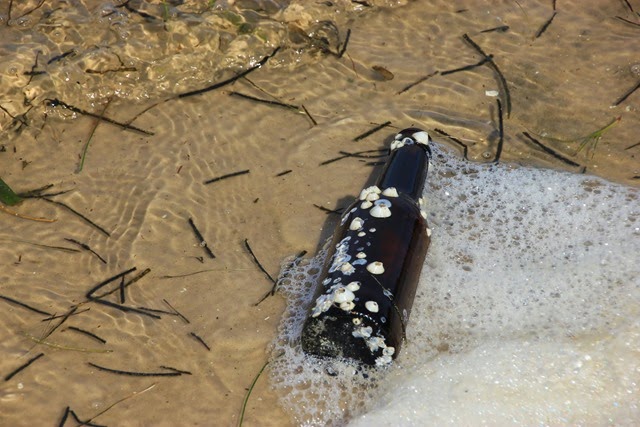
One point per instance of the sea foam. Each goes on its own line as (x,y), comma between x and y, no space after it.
(527,312)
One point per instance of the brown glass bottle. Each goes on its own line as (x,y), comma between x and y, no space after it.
(369,281)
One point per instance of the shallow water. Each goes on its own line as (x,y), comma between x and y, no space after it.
(142,189)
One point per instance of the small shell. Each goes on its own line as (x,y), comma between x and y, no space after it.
(362,332)
(357,321)
(343,295)
(372,197)
(388,351)
(356,223)
(421,137)
(423,213)
(347,306)
(375,267)
(369,190)
(372,306)
(390,192)
(353,286)
(383,361)
(361,255)
(366,204)
(381,209)
(428,232)
(362,234)
(347,268)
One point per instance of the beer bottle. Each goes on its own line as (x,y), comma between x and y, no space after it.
(369,280)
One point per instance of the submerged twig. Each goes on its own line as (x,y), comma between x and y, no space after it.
(464,146)
(93,130)
(626,95)
(255,260)
(420,80)
(66,347)
(21,368)
(201,241)
(30,218)
(371,131)
(87,333)
(176,312)
(173,373)
(229,175)
(550,151)
(544,26)
(232,79)
(75,212)
(500,133)
(501,80)
(55,102)
(21,304)
(200,340)
(86,247)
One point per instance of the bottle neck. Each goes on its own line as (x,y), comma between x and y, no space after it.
(406,170)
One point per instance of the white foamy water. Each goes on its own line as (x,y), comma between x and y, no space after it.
(527,311)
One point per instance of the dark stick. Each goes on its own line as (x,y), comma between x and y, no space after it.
(467,67)
(229,175)
(255,260)
(465,149)
(137,374)
(344,45)
(329,211)
(61,56)
(363,155)
(62,320)
(265,101)
(176,312)
(87,333)
(284,172)
(273,289)
(626,95)
(201,241)
(501,29)
(420,80)
(75,313)
(84,218)
(83,423)
(176,370)
(554,4)
(544,26)
(232,79)
(309,115)
(200,340)
(64,417)
(125,308)
(56,102)
(86,247)
(550,151)
(620,18)
(335,159)
(626,2)
(100,285)
(500,131)
(371,131)
(16,371)
(21,304)
(494,67)
(632,146)
(121,288)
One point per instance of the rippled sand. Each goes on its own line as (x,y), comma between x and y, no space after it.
(142,189)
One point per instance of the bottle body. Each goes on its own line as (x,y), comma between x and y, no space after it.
(370,278)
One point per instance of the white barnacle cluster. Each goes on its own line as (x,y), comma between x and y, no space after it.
(341,258)
(342,296)
(381,209)
(369,195)
(374,343)
(400,140)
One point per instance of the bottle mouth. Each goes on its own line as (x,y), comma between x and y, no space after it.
(406,170)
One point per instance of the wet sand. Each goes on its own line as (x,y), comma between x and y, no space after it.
(142,189)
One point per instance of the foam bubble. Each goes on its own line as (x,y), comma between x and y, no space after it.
(527,310)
